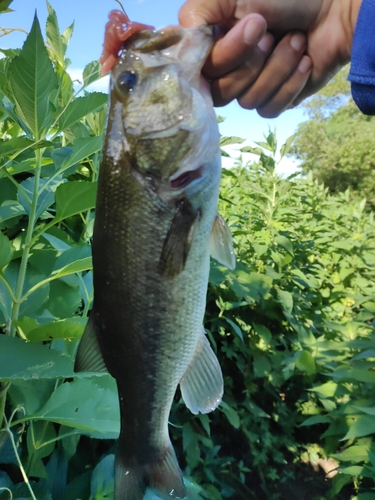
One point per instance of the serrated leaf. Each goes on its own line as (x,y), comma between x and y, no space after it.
(82,149)
(32,80)
(55,43)
(91,73)
(285,148)
(80,107)
(46,195)
(13,145)
(225,141)
(84,405)
(11,209)
(74,197)
(33,361)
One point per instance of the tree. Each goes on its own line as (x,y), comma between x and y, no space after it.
(337,143)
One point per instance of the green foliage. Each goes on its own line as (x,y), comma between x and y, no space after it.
(292,324)
(337,143)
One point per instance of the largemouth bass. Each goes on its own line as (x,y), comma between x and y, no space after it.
(156,225)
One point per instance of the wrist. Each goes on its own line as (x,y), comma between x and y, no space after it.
(349,20)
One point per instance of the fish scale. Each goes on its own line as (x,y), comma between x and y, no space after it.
(155,227)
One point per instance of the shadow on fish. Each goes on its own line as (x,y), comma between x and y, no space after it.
(155,228)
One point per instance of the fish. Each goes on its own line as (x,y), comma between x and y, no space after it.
(156,225)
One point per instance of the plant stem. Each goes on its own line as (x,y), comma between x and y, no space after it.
(24,475)
(27,246)
(22,272)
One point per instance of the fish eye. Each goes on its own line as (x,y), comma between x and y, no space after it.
(127,81)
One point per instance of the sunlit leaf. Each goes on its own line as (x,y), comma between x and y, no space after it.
(80,107)
(74,197)
(84,405)
(32,80)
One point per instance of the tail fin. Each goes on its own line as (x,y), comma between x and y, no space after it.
(162,475)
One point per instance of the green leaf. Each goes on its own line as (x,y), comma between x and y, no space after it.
(231,414)
(286,301)
(67,329)
(91,73)
(76,267)
(86,406)
(306,363)
(33,361)
(286,146)
(363,426)
(82,149)
(226,141)
(46,195)
(13,145)
(80,107)
(6,251)
(32,80)
(357,453)
(237,330)
(328,390)
(54,40)
(73,198)
(285,243)
(316,419)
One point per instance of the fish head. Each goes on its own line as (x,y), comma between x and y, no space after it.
(160,103)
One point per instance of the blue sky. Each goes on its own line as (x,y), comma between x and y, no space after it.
(89,18)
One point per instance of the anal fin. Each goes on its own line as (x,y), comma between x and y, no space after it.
(202,385)
(89,357)
(220,246)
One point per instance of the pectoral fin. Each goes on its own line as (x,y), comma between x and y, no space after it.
(220,245)
(89,358)
(202,385)
(178,241)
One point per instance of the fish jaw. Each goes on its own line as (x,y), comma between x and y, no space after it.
(167,115)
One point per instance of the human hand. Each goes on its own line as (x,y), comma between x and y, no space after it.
(273,71)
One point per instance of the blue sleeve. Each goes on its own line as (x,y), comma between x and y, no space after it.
(362,69)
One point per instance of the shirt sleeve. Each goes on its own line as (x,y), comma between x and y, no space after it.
(362,69)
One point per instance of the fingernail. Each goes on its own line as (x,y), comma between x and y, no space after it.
(253,30)
(266,42)
(305,65)
(298,41)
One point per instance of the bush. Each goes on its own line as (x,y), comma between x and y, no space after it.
(292,325)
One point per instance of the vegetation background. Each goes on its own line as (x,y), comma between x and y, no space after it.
(293,325)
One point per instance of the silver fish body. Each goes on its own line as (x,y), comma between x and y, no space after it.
(156,224)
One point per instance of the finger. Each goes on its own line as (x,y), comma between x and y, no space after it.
(234,47)
(231,85)
(281,64)
(285,97)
